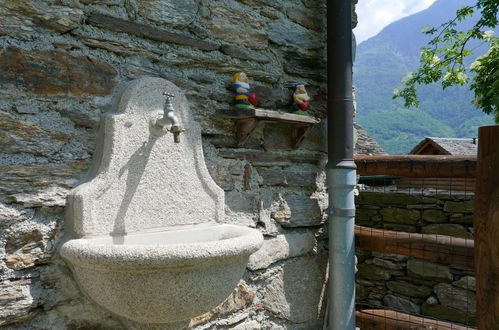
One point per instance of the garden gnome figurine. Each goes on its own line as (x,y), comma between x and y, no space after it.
(300,99)
(244,98)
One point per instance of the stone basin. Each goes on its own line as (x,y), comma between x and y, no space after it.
(162,276)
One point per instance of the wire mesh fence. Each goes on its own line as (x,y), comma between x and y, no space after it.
(415,252)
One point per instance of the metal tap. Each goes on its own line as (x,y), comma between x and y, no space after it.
(170,118)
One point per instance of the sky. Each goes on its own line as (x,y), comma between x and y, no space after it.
(374,15)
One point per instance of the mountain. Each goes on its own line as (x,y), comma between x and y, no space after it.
(383,60)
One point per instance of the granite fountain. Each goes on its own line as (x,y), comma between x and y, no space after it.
(147,239)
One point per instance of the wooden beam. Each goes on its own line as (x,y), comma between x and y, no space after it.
(269,115)
(248,119)
(148,32)
(418,166)
(436,248)
(486,227)
(387,319)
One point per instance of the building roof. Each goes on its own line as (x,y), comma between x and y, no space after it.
(365,144)
(448,146)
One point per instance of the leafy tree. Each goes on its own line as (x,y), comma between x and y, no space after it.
(443,58)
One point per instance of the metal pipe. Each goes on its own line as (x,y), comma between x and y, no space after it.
(341,174)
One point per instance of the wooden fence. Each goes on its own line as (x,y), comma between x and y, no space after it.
(434,248)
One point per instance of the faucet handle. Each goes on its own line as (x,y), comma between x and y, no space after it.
(168,95)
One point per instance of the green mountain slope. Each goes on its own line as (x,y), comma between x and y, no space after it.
(381,63)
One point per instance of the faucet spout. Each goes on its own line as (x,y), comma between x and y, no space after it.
(170,118)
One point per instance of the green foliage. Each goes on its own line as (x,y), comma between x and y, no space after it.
(486,80)
(380,63)
(443,58)
(469,128)
(401,130)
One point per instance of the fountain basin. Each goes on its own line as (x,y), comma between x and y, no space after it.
(162,276)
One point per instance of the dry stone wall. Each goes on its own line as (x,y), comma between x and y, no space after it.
(415,286)
(61,64)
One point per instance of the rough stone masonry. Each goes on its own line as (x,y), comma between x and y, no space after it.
(62,62)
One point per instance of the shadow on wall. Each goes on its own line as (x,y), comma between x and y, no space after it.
(140,157)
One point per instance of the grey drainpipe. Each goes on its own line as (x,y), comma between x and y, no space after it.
(341,174)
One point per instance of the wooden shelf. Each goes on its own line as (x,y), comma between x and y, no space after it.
(247,120)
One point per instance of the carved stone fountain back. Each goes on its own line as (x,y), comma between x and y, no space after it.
(141,179)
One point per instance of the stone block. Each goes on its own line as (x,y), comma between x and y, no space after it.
(362,255)
(241,208)
(387,264)
(455,297)
(17,302)
(248,325)
(271,98)
(401,304)
(428,270)
(288,177)
(172,12)
(281,247)
(289,34)
(225,24)
(449,229)
(416,281)
(373,272)
(399,227)
(277,137)
(464,219)
(448,313)
(221,176)
(305,64)
(55,72)
(390,256)
(309,18)
(423,206)
(435,216)
(29,15)
(85,117)
(400,216)
(466,282)
(298,211)
(239,299)
(11,214)
(295,291)
(365,212)
(117,47)
(272,14)
(250,55)
(361,292)
(35,185)
(459,207)
(19,136)
(149,32)
(394,199)
(316,139)
(408,289)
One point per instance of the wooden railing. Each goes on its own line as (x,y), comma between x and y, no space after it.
(418,166)
(387,319)
(435,248)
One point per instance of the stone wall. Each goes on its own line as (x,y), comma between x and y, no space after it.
(61,64)
(412,285)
